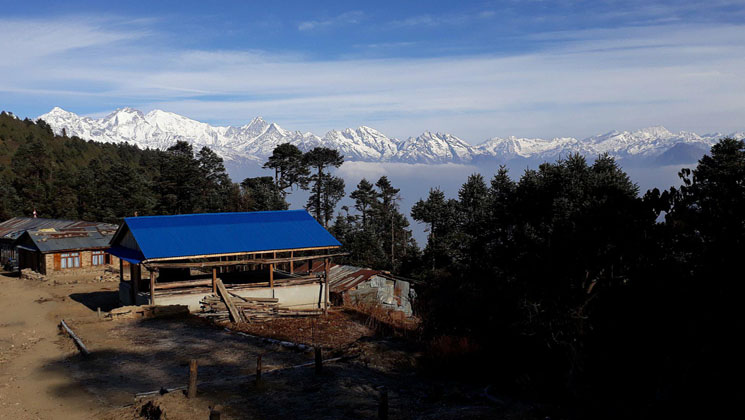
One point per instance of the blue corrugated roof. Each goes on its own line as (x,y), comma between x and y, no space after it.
(129,255)
(225,233)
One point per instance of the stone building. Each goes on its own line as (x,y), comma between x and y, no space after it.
(12,229)
(74,250)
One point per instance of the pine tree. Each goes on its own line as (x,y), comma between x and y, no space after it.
(289,168)
(216,184)
(327,190)
(261,194)
(365,198)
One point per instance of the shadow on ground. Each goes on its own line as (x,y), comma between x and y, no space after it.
(132,357)
(105,300)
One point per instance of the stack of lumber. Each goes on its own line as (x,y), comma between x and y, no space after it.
(148,311)
(254,309)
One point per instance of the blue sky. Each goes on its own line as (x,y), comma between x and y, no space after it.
(475,69)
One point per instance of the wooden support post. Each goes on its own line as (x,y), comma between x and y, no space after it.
(214,280)
(192,389)
(152,287)
(319,360)
(292,263)
(99,312)
(134,281)
(258,369)
(271,275)
(327,269)
(383,404)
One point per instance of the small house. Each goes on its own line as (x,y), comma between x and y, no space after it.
(12,229)
(68,250)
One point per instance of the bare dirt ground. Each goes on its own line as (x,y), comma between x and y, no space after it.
(42,376)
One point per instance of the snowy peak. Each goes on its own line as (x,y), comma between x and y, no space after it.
(435,148)
(256,140)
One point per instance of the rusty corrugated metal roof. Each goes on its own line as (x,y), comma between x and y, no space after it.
(345,277)
(13,228)
(90,237)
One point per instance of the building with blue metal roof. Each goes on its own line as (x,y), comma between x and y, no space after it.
(224,243)
(157,238)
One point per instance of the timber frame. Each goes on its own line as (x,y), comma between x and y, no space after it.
(276,261)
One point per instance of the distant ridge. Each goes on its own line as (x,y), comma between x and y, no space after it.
(256,140)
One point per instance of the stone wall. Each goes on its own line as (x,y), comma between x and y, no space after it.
(86,266)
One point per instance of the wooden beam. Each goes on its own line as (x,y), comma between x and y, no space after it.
(204,264)
(185,283)
(292,262)
(232,254)
(214,280)
(235,315)
(78,342)
(304,258)
(152,287)
(271,276)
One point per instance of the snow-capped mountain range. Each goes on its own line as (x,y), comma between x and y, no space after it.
(256,140)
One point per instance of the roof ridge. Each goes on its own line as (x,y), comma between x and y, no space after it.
(212,214)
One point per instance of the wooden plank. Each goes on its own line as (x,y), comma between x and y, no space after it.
(235,315)
(292,262)
(250,299)
(179,284)
(78,342)
(271,276)
(238,296)
(214,280)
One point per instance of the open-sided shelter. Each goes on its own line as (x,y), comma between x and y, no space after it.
(253,253)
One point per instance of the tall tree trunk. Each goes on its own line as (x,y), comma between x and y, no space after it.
(318,194)
(392,246)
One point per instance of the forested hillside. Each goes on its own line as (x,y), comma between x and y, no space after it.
(569,287)
(68,177)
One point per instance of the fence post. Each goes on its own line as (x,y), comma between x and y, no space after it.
(258,369)
(192,390)
(383,404)
(319,360)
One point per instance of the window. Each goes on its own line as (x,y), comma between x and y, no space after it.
(70,260)
(99,258)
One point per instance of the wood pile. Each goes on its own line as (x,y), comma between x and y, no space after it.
(254,309)
(148,311)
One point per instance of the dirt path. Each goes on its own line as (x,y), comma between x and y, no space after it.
(29,342)
(42,376)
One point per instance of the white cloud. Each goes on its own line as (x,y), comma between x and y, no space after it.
(684,77)
(444,19)
(347,18)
